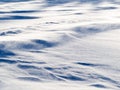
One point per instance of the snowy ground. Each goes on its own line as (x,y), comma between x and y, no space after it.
(59,45)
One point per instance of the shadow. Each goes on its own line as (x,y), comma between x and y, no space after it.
(17,17)
(60,73)
(72,78)
(10,33)
(45,43)
(58,2)
(19,11)
(20,62)
(104,79)
(28,46)
(78,13)
(34,46)
(29,79)
(99,86)
(94,29)
(24,11)
(27,67)
(89,64)
(9,1)
(6,53)
(8,61)
(28,62)
(56,69)
(105,8)
(2,46)
(109,80)
(38,72)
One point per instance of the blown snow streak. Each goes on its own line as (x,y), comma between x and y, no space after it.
(54,44)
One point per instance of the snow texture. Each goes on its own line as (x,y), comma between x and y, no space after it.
(59,44)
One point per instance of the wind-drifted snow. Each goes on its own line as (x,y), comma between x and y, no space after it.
(59,44)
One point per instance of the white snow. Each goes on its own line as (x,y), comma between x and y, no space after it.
(63,45)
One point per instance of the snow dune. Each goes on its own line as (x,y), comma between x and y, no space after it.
(59,44)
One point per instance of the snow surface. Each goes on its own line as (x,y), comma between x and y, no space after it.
(59,44)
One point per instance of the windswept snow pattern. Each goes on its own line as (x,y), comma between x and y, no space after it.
(59,45)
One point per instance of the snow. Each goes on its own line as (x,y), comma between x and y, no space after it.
(54,44)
